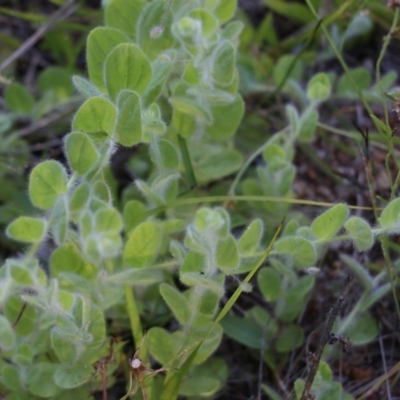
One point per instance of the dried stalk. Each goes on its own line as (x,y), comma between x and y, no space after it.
(315,358)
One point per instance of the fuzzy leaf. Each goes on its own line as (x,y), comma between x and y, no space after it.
(208,22)
(269,282)
(127,67)
(81,152)
(100,42)
(177,303)
(67,258)
(40,380)
(96,115)
(7,334)
(152,37)
(47,182)
(319,87)
(128,130)
(227,255)
(243,331)
(60,221)
(249,241)
(328,224)
(390,214)
(123,15)
(300,250)
(18,99)
(79,198)
(223,63)
(85,87)
(360,233)
(307,124)
(27,229)
(143,245)
(225,10)
(108,219)
(226,118)
(67,377)
(161,67)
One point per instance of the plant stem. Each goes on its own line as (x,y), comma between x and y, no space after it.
(316,357)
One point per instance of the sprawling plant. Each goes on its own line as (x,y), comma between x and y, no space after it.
(163,77)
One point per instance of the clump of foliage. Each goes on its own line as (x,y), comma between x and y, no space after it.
(168,80)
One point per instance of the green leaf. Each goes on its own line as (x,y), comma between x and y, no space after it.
(153,30)
(11,377)
(290,337)
(225,10)
(199,386)
(96,115)
(223,63)
(273,151)
(40,380)
(300,250)
(136,277)
(226,255)
(250,239)
(165,155)
(127,67)
(60,221)
(361,330)
(81,152)
(27,229)
(79,198)
(307,124)
(24,355)
(208,22)
(291,10)
(243,331)
(162,345)
(108,219)
(128,130)
(177,303)
(217,165)
(360,232)
(383,128)
(282,67)
(58,81)
(226,118)
(18,99)
(85,87)
(361,78)
(328,224)
(360,26)
(27,323)
(67,377)
(161,67)
(47,182)
(390,214)
(360,270)
(7,334)
(100,42)
(319,87)
(65,349)
(67,258)
(133,214)
(123,15)
(143,245)
(269,282)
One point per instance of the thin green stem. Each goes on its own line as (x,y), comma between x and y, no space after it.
(134,318)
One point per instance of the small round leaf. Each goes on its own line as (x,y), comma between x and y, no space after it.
(27,229)
(47,182)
